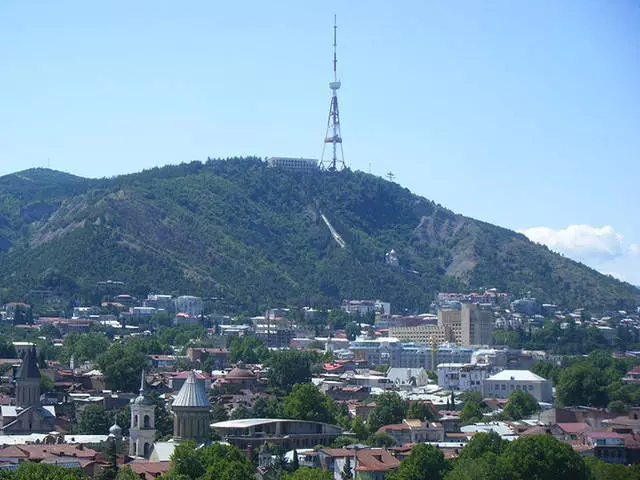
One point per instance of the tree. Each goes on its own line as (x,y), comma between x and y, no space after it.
(240,412)
(389,409)
(352,330)
(306,402)
(472,412)
(247,349)
(306,473)
(121,366)
(42,471)
(346,473)
(420,411)
(543,457)
(581,384)
(426,462)
(380,439)
(185,460)
(93,421)
(125,473)
(359,428)
(487,467)
(219,413)
(600,470)
(110,472)
(289,367)
(521,404)
(263,408)
(482,443)
(84,346)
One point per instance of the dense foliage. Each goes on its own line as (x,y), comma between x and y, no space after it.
(594,380)
(252,235)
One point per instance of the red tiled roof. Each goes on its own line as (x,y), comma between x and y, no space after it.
(574,427)
(376,460)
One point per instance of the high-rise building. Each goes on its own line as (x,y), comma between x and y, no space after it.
(476,324)
(471,325)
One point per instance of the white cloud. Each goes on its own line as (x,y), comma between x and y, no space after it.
(580,239)
(599,247)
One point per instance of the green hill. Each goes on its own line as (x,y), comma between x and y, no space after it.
(255,236)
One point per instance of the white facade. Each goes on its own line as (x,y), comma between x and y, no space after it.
(188,304)
(462,376)
(506,382)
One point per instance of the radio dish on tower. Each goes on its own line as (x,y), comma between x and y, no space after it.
(333,135)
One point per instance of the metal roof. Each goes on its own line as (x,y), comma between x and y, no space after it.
(191,394)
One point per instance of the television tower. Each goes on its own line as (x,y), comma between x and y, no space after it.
(336,162)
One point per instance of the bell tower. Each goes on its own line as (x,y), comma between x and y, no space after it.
(142,431)
(28,381)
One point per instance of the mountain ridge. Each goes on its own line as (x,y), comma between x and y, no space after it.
(254,235)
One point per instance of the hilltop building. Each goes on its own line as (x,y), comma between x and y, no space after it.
(294,164)
(28,415)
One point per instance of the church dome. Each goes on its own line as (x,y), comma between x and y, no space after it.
(238,373)
(142,400)
(115,430)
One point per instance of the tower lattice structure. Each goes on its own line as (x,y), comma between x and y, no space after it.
(333,135)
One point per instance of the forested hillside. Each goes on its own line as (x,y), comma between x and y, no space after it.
(255,236)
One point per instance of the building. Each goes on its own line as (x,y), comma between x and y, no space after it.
(191,411)
(142,431)
(366,463)
(159,302)
(462,376)
(502,384)
(411,377)
(414,431)
(472,324)
(476,324)
(276,335)
(28,415)
(294,164)
(394,353)
(192,306)
(254,432)
(365,307)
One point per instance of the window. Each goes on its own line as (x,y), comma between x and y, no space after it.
(531,388)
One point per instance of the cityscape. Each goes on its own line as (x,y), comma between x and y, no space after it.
(455,297)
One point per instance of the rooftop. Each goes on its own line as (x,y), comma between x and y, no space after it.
(191,394)
(517,375)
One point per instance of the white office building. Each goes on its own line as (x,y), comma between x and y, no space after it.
(462,376)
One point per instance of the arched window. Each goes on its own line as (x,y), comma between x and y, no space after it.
(135,421)
(147,421)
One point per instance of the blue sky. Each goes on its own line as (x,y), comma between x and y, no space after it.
(524,114)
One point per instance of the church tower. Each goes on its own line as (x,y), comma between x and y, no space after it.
(28,381)
(142,432)
(191,411)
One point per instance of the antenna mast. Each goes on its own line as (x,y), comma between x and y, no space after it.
(333,135)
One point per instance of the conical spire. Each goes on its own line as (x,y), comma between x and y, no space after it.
(142,383)
(192,394)
(29,368)
(142,398)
